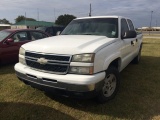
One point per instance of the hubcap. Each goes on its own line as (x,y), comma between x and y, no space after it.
(109,85)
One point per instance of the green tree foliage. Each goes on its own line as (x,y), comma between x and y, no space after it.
(4,21)
(21,17)
(64,19)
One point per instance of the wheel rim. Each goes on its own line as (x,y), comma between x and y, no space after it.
(109,85)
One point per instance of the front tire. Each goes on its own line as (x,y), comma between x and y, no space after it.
(110,85)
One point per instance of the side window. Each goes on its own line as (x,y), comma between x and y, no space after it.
(20,36)
(124,27)
(54,31)
(37,35)
(50,30)
(130,24)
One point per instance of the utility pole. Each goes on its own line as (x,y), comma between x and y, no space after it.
(37,14)
(54,15)
(150,22)
(25,19)
(151,18)
(90,14)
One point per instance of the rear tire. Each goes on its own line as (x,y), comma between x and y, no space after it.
(110,86)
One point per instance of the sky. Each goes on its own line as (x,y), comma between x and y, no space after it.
(139,11)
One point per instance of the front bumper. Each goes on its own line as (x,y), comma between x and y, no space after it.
(67,85)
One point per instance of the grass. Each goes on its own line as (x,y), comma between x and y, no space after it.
(151,34)
(137,99)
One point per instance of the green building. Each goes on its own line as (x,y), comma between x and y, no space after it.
(24,24)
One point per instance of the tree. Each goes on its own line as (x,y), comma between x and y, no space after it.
(4,21)
(21,17)
(64,19)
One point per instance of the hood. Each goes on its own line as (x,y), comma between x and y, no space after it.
(69,44)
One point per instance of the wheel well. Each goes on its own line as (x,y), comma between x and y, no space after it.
(115,63)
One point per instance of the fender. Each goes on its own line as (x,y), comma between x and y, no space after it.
(110,59)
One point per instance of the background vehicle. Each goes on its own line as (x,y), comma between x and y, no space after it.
(11,40)
(85,60)
(51,30)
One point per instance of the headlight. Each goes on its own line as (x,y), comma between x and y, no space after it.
(22,51)
(83,58)
(22,60)
(81,70)
(22,56)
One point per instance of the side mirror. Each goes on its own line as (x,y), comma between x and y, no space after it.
(10,40)
(129,34)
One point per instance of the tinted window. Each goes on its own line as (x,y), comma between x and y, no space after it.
(130,24)
(4,34)
(124,27)
(41,28)
(97,26)
(37,35)
(20,36)
(50,31)
(53,30)
(60,28)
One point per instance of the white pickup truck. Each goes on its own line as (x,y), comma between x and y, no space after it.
(84,60)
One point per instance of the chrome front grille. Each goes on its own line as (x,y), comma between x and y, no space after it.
(52,63)
(48,57)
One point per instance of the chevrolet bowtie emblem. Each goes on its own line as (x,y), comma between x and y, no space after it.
(42,61)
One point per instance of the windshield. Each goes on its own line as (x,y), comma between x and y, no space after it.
(41,28)
(4,34)
(96,26)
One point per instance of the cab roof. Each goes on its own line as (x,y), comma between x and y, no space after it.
(101,17)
